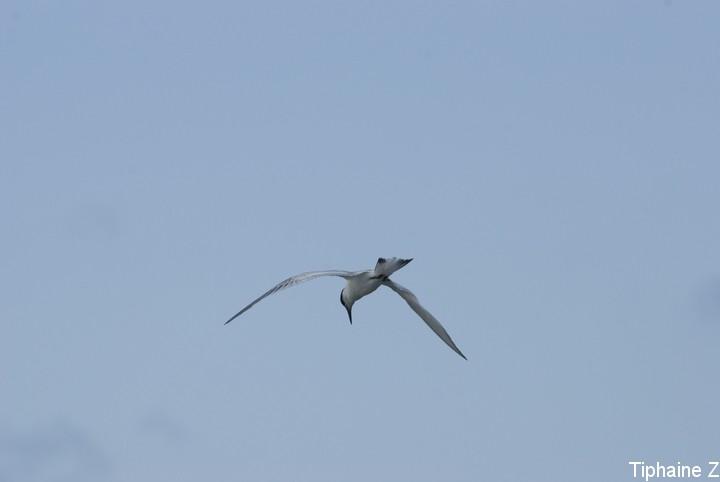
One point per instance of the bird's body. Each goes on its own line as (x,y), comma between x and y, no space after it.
(361,283)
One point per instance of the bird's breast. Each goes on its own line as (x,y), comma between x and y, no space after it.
(361,286)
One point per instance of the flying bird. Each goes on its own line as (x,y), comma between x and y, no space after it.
(362,283)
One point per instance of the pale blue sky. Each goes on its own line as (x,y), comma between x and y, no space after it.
(553,168)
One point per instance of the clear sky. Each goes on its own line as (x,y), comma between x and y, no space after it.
(553,168)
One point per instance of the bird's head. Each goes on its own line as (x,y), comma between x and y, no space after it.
(346,304)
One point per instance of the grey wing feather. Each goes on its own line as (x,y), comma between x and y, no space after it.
(431,321)
(292,281)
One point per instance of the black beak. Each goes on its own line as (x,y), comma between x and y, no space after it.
(347,307)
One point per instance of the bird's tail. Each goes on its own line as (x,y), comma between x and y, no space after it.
(386,267)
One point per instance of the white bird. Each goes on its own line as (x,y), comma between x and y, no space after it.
(361,283)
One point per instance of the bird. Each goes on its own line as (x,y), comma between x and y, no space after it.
(362,283)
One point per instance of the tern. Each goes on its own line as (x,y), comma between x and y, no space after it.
(362,283)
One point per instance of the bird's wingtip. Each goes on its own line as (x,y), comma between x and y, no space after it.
(228,321)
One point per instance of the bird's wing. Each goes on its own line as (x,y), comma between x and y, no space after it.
(292,281)
(431,321)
